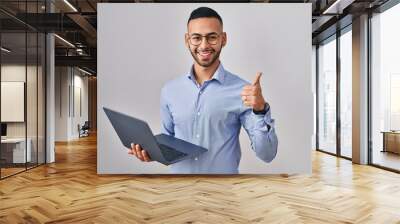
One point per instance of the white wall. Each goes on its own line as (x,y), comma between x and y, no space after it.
(80,84)
(133,65)
(61,103)
(68,80)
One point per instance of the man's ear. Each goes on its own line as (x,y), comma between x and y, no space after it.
(186,40)
(224,39)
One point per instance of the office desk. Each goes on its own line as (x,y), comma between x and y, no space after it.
(13,150)
(391,141)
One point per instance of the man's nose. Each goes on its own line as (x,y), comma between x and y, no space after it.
(204,43)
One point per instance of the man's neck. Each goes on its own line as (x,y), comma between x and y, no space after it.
(203,74)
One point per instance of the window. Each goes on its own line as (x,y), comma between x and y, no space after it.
(346,93)
(385,88)
(327,96)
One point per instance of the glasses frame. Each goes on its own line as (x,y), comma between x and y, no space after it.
(202,37)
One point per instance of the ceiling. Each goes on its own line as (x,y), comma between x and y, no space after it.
(76,22)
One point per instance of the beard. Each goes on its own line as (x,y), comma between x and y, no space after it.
(206,63)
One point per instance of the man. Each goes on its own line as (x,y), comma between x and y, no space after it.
(208,106)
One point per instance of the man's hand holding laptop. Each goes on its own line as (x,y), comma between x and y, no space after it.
(139,153)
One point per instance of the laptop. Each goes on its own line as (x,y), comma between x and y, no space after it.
(162,148)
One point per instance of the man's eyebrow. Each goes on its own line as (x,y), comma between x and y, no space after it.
(202,34)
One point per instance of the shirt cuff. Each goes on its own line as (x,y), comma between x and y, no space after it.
(263,112)
(263,122)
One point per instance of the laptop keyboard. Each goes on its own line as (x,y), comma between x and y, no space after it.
(170,153)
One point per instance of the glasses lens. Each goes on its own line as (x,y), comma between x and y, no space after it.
(195,39)
(212,39)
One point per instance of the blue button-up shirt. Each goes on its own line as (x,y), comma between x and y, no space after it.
(211,115)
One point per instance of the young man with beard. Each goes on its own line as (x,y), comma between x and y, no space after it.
(208,106)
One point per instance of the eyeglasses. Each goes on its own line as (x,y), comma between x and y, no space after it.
(196,39)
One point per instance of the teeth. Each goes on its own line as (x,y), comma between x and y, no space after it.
(205,53)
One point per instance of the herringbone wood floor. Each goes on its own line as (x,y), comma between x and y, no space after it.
(70,191)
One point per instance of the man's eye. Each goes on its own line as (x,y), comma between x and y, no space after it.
(195,38)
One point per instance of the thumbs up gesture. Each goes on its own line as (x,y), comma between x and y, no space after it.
(252,95)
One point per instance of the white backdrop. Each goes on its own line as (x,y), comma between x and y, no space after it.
(141,47)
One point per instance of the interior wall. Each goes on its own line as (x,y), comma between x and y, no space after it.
(80,110)
(71,102)
(62,80)
(92,97)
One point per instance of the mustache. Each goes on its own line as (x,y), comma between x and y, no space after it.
(205,50)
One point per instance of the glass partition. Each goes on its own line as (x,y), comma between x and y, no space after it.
(13,109)
(22,63)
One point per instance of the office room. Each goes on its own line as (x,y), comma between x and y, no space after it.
(141,111)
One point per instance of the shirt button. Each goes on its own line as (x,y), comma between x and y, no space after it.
(200,92)
(198,136)
(198,113)
(195,158)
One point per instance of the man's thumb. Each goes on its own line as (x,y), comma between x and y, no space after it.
(257,79)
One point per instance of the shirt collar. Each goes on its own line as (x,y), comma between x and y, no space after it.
(218,75)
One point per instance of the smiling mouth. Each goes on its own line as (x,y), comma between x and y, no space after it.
(205,55)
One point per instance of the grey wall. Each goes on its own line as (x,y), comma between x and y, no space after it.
(141,46)
(68,81)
